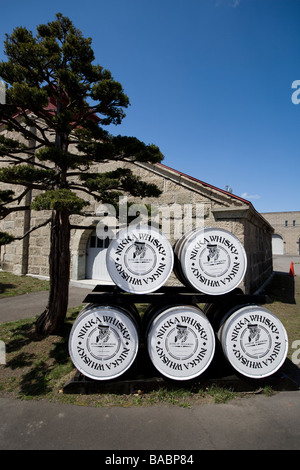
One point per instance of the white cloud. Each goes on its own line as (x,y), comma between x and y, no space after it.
(230,3)
(249,197)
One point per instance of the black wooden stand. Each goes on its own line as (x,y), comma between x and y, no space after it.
(168,295)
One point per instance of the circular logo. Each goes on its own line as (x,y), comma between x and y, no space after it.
(181,342)
(212,260)
(103,342)
(254,341)
(140,259)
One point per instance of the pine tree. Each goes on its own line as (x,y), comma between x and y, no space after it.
(58,100)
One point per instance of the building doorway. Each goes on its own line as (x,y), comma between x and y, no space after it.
(96,258)
(277,245)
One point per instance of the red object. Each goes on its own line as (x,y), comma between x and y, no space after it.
(292,272)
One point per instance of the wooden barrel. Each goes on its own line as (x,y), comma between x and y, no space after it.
(140,259)
(210,260)
(254,341)
(104,341)
(180,341)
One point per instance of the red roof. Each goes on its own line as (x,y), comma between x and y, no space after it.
(245,201)
(51,108)
(205,184)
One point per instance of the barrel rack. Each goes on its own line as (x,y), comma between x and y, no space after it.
(143,376)
(168,295)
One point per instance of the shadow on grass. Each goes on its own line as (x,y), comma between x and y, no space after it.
(44,359)
(35,382)
(5,288)
(281,288)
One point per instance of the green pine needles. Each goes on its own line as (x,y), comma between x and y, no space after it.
(59,200)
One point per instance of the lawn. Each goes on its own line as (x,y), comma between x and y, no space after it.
(11,285)
(38,367)
(284,294)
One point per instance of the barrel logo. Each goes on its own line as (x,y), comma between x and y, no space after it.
(214,260)
(103,342)
(140,258)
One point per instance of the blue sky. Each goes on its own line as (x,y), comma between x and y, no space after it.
(209,82)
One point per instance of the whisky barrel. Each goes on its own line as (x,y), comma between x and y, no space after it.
(254,341)
(180,341)
(210,260)
(104,341)
(140,259)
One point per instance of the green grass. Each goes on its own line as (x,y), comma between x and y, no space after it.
(11,284)
(284,294)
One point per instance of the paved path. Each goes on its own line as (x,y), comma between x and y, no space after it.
(282,263)
(30,305)
(255,422)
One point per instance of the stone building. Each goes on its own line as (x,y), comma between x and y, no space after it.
(180,192)
(286,237)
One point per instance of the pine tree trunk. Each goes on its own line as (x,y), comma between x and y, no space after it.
(52,319)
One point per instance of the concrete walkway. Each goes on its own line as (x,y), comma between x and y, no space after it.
(254,422)
(30,305)
(282,263)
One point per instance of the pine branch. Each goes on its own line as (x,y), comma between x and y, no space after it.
(19,160)
(77,187)
(34,228)
(17,198)
(81,227)
(4,211)
(13,123)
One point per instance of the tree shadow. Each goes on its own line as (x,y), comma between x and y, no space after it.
(5,287)
(281,288)
(21,335)
(37,366)
(35,382)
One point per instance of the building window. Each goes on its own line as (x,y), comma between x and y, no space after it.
(93,242)
(294,223)
(96,242)
(286,223)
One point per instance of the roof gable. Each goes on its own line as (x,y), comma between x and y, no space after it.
(196,180)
